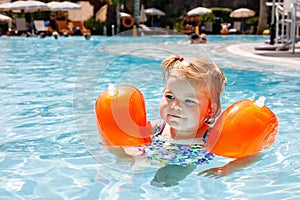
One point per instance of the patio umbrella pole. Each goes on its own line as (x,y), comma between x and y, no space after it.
(243,25)
(151,21)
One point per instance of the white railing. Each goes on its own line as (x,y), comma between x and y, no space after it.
(287,10)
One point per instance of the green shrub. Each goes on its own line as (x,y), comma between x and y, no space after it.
(95,26)
(253,21)
(221,15)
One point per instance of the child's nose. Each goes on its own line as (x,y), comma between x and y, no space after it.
(176,105)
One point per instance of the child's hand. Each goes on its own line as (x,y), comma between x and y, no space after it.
(216,172)
(233,166)
(121,155)
(134,151)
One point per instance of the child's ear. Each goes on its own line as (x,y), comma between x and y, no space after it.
(213,109)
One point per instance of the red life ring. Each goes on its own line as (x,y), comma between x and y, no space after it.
(127,21)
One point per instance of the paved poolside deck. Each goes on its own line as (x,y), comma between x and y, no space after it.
(247,51)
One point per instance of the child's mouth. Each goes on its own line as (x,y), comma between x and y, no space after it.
(174,116)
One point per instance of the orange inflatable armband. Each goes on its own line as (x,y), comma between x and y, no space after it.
(243,129)
(121,117)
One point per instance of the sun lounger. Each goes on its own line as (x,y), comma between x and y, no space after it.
(236,28)
(63,27)
(78,25)
(21,25)
(39,26)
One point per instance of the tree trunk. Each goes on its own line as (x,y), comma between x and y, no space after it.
(118,16)
(136,11)
(263,17)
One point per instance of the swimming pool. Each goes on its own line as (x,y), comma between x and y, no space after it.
(49,143)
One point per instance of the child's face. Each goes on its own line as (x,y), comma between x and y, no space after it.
(184,106)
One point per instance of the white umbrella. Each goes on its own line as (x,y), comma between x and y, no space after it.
(199,11)
(154,11)
(242,13)
(4,18)
(84,13)
(62,6)
(27,6)
(70,6)
(53,5)
(5,6)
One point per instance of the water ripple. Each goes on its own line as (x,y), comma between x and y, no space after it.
(49,144)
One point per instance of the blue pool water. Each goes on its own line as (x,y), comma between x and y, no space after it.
(49,144)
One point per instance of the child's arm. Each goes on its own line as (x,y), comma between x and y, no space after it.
(154,126)
(232,166)
(131,153)
(128,153)
(121,155)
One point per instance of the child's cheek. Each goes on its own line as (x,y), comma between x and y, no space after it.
(163,107)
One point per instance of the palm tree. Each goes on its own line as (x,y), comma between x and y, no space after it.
(116,3)
(263,16)
(136,11)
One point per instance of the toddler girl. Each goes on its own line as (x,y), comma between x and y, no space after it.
(190,104)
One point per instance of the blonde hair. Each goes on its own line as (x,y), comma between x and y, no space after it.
(201,71)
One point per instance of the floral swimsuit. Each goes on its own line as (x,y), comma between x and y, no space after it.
(162,152)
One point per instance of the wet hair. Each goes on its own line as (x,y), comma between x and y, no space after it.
(206,73)
(194,36)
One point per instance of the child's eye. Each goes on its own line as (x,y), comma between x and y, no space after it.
(191,101)
(168,96)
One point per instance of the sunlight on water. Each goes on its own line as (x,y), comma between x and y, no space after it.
(49,143)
